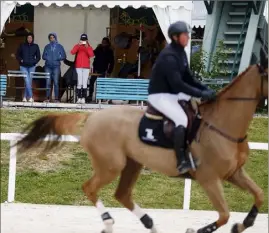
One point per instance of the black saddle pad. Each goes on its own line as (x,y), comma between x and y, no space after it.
(151,133)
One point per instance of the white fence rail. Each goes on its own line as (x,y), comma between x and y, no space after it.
(14,137)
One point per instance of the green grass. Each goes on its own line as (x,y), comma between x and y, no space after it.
(57,177)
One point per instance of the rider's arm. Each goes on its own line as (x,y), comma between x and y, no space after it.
(171,69)
(194,81)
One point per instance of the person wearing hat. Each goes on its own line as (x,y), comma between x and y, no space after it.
(83,52)
(171,80)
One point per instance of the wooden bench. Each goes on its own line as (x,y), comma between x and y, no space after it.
(121,89)
(3,87)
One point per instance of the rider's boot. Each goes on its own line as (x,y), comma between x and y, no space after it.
(183,162)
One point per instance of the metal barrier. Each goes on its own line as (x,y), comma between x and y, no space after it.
(23,74)
(215,81)
(14,137)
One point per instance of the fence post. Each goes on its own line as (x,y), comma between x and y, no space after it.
(12,171)
(187,194)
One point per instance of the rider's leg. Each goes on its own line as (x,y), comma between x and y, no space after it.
(169,106)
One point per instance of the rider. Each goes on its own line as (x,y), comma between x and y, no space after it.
(171,80)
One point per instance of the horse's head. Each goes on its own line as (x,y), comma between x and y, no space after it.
(263,68)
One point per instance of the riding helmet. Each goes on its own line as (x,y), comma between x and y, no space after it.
(178,28)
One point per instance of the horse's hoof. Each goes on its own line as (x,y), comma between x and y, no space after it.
(237,228)
(190,230)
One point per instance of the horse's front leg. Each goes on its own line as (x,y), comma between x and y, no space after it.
(214,191)
(241,179)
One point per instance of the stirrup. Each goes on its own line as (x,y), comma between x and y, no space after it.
(184,167)
(193,162)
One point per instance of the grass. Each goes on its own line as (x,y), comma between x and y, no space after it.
(56,178)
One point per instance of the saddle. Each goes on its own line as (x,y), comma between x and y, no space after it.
(157,130)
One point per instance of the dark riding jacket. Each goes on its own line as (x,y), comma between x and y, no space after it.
(171,73)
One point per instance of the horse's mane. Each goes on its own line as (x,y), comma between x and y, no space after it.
(229,86)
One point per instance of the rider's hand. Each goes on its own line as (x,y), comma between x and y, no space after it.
(208,95)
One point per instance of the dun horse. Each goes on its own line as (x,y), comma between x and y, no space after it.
(115,145)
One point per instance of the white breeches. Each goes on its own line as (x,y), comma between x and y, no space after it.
(83,76)
(168,105)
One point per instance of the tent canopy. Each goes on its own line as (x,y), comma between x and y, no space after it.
(111,4)
(265,12)
(166,12)
(198,9)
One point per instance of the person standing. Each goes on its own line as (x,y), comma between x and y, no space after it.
(83,52)
(53,55)
(103,63)
(28,55)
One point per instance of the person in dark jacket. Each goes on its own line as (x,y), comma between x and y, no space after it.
(28,55)
(103,63)
(53,55)
(171,80)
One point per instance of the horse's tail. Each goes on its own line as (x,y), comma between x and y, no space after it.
(56,124)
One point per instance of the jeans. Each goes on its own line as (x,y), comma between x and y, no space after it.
(28,93)
(54,75)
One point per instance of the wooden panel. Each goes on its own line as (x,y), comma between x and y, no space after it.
(151,33)
(7,54)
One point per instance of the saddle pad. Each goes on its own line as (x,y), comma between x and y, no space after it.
(151,133)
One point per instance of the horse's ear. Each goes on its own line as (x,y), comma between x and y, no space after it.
(263,59)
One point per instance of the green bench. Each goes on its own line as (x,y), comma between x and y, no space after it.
(121,89)
(3,87)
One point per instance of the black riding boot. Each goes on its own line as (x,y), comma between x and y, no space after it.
(84,95)
(79,95)
(183,162)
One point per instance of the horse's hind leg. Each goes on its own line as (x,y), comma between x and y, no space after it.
(91,188)
(241,179)
(214,191)
(123,193)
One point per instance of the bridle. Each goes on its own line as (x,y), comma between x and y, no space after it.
(261,97)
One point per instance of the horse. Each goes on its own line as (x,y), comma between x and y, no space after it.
(111,139)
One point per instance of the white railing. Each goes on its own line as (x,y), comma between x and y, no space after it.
(14,137)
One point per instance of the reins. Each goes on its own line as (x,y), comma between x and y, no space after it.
(230,138)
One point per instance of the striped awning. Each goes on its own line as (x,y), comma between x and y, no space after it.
(198,9)
(111,4)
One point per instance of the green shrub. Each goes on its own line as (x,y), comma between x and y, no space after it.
(218,67)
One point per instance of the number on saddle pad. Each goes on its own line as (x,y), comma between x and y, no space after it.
(149,134)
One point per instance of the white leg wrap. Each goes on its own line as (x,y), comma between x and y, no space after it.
(139,213)
(108,222)
(100,206)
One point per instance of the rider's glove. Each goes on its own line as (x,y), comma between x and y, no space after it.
(208,95)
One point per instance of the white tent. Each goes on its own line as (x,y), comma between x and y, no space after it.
(166,12)
(265,12)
